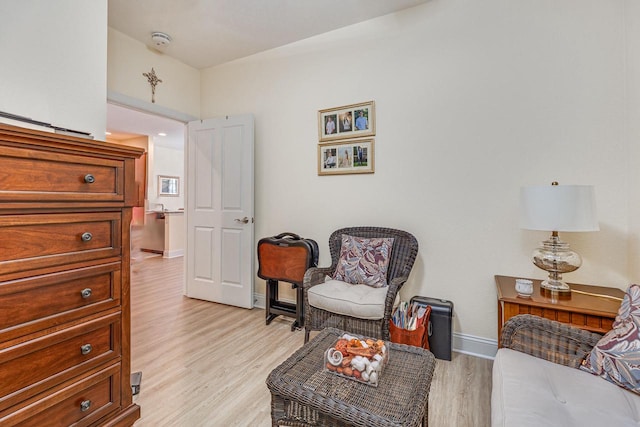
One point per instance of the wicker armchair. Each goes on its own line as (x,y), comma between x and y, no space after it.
(547,339)
(403,255)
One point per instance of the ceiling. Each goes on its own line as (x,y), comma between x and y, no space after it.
(205,33)
(124,123)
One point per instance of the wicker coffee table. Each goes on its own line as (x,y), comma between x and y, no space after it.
(303,394)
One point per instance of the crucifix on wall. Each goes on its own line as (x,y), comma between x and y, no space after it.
(153,81)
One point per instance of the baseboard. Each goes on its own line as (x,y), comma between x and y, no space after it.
(474,346)
(259,301)
(173,254)
(462,343)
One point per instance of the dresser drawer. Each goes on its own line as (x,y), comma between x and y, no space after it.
(35,303)
(37,241)
(27,175)
(79,404)
(39,364)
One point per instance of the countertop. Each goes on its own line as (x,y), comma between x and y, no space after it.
(165,212)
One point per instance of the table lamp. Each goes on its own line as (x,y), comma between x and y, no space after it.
(557,208)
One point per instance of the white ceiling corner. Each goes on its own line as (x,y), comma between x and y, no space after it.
(205,33)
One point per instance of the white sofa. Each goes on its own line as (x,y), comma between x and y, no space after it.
(537,383)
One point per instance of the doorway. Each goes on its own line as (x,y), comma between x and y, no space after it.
(163,140)
(221,197)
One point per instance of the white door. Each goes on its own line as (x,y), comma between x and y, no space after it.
(219,210)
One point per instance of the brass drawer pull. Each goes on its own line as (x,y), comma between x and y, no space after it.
(89,179)
(86,237)
(86,293)
(85,405)
(86,349)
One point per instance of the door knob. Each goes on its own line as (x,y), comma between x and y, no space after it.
(244,220)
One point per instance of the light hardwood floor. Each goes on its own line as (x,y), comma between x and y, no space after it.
(205,364)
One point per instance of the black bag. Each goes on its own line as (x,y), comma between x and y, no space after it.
(439,328)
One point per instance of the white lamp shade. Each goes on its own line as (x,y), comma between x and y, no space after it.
(558,208)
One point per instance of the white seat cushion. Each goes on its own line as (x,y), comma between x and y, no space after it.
(361,301)
(528,391)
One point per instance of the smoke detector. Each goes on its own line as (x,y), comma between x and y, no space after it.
(160,40)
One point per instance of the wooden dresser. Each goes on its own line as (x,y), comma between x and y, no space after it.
(65,210)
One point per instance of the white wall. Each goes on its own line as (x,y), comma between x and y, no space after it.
(473,100)
(54,62)
(128,59)
(168,162)
(632,23)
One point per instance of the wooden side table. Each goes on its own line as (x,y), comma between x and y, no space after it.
(593,308)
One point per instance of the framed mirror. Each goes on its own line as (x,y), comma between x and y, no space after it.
(168,186)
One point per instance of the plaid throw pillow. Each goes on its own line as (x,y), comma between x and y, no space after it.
(364,261)
(616,357)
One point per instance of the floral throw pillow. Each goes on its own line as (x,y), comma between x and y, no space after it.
(364,261)
(616,357)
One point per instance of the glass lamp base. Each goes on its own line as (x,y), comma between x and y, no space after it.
(555,257)
(555,285)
